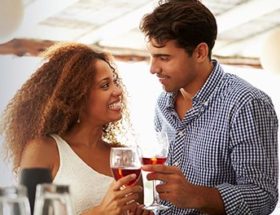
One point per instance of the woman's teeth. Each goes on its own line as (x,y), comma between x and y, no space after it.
(115,106)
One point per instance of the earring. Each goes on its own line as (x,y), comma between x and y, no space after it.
(78,120)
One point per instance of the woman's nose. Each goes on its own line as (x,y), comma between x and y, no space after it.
(117,91)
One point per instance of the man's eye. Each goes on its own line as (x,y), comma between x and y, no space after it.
(164,58)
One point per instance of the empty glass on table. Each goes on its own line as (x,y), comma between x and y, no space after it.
(14,201)
(52,199)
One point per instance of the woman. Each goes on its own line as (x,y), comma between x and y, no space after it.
(65,118)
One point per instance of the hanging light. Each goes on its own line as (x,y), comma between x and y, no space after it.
(11,15)
(270,52)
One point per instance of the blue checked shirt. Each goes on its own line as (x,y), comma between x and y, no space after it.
(227,140)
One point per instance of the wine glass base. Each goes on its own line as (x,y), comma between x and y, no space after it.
(156,207)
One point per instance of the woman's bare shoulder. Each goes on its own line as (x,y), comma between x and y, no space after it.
(39,152)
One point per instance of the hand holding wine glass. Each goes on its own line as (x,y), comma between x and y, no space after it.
(125,164)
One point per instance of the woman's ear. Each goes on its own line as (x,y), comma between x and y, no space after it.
(201,52)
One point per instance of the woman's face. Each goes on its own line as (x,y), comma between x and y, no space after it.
(105,100)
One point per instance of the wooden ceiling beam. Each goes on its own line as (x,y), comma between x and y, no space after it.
(30,47)
(24,47)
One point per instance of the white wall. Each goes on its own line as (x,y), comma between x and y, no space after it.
(142,87)
(14,71)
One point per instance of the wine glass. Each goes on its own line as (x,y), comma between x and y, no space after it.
(14,201)
(53,199)
(125,161)
(154,146)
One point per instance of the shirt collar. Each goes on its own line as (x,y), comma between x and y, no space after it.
(207,89)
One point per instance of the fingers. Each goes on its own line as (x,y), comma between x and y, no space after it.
(165,173)
(129,190)
(158,176)
(139,210)
(166,196)
(130,198)
(162,188)
(130,207)
(123,181)
(125,195)
(161,168)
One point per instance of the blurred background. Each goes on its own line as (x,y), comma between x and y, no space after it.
(248,45)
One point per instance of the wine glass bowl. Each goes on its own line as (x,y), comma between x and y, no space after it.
(125,161)
(154,160)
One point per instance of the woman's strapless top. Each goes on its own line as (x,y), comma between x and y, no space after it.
(87,186)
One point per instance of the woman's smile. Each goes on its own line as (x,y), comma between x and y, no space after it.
(116,105)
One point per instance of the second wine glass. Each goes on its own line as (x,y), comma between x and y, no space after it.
(154,146)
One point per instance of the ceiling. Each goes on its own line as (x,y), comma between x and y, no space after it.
(242,24)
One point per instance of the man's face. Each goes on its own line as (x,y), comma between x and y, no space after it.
(173,66)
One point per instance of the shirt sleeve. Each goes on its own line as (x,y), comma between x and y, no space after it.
(253,152)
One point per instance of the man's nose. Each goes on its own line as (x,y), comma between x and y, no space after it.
(154,67)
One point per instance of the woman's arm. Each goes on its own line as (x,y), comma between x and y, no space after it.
(42,153)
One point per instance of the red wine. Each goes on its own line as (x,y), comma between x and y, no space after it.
(122,172)
(154,160)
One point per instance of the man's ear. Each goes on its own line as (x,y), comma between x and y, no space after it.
(201,52)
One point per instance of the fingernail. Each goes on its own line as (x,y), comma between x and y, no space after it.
(133,175)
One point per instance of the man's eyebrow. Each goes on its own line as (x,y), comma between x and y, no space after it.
(160,55)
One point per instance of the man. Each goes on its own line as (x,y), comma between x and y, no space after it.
(223,131)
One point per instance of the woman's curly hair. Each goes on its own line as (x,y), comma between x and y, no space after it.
(52,99)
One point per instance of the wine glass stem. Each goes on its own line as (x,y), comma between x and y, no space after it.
(155,194)
(155,212)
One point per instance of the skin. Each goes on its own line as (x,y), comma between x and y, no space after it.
(85,140)
(179,72)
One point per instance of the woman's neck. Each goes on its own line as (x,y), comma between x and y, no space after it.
(84,135)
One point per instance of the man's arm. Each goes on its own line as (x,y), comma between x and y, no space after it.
(254,158)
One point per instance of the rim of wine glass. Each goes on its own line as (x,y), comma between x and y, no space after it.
(53,188)
(13,191)
(125,148)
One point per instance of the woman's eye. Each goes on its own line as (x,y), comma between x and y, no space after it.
(105,86)
(116,82)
